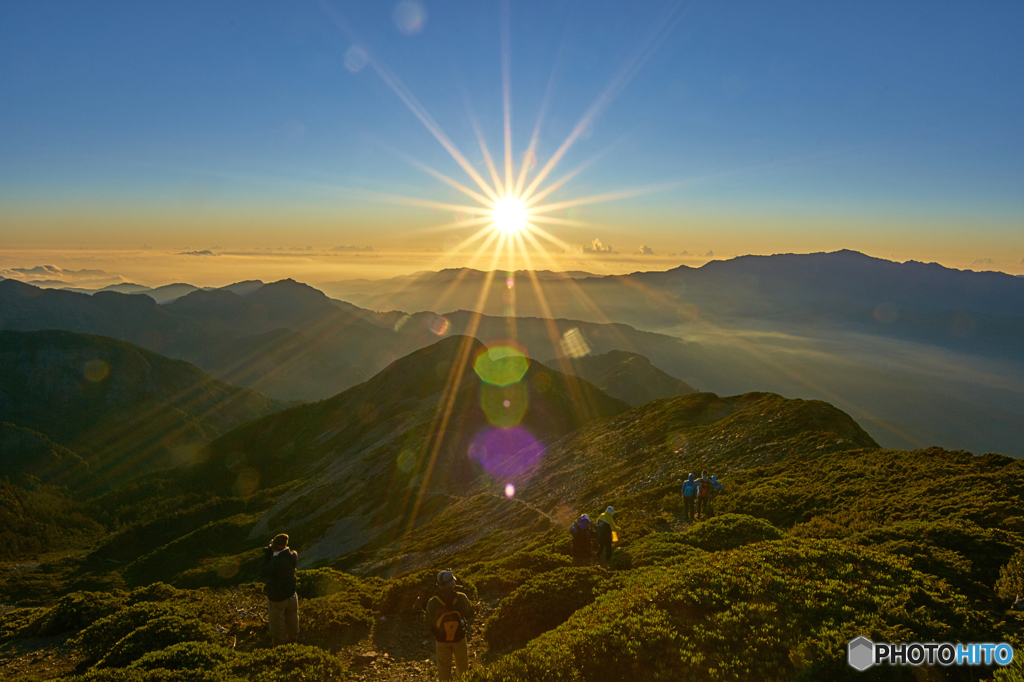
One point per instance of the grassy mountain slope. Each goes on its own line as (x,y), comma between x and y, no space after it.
(123,409)
(821,536)
(627,376)
(374,460)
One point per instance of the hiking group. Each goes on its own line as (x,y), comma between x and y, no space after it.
(699,495)
(585,535)
(448,611)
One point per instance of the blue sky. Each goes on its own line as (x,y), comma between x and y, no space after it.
(883,127)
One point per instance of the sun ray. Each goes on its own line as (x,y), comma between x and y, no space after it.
(447,180)
(488,159)
(534,230)
(454,225)
(427,203)
(551,220)
(531,150)
(609,196)
(618,82)
(506,88)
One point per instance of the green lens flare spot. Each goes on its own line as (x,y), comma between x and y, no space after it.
(406,461)
(501,365)
(504,406)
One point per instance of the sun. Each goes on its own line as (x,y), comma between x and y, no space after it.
(509,215)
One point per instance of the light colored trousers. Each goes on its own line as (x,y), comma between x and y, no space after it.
(284,620)
(445,652)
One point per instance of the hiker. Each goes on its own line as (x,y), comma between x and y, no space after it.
(716,490)
(582,544)
(689,496)
(703,494)
(447,612)
(278,572)
(607,532)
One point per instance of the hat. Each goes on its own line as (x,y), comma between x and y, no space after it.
(445,579)
(610,510)
(584,521)
(280,541)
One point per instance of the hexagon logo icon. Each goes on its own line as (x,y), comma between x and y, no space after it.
(861,652)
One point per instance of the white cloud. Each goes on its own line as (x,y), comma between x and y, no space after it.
(205,252)
(709,254)
(982,262)
(644,250)
(350,247)
(597,247)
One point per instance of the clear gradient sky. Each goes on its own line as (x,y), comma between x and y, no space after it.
(896,129)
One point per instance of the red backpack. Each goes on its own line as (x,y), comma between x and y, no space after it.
(702,488)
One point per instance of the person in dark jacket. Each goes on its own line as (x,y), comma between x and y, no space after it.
(583,534)
(703,494)
(278,572)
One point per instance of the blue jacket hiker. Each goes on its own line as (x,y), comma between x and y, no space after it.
(689,495)
(447,613)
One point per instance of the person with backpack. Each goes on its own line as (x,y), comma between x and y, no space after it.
(447,615)
(703,494)
(689,497)
(278,574)
(607,531)
(582,532)
(716,490)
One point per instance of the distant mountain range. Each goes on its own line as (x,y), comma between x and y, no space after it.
(919,354)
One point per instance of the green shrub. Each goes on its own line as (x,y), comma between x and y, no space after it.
(544,602)
(401,594)
(157,634)
(158,675)
(335,619)
(1011,577)
(654,549)
(186,656)
(323,582)
(779,610)
(73,612)
(288,663)
(15,621)
(100,637)
(730,531)
(154,592)
(504,575)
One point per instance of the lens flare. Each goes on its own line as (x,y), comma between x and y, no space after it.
(504,406)
(506,453)
(510,491)
(501,365)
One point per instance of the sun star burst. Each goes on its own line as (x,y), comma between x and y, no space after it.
(509,216)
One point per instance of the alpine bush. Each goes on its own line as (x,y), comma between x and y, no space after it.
(155,635)
(186,656)
(74,611)
(544,602)
(401,594)
(779,610)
